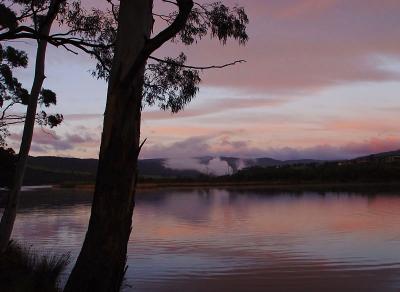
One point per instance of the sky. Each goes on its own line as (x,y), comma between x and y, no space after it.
(321,80)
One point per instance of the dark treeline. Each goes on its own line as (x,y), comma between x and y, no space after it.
(322,172)
(329,172)
(72,171)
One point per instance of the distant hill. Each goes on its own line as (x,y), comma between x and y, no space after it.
(390,155)
(380,167)
(49,170)
(52,170)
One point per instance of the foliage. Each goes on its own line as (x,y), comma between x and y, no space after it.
(221,21)
(21,269)
(12,93)
(169,82)
(8,19)
(170,85)
(10,89)
(92,32)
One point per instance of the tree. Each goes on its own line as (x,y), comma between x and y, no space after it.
(42,26)
(33,19)
(171,84)
(12,93)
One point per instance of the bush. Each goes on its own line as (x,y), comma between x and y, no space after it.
(22,270)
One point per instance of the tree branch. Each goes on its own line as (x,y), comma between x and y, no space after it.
(185,7)
(113,9)
(5,109)
(170,2)
(170,62)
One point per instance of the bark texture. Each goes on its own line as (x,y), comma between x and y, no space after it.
(10,211)
(101,262)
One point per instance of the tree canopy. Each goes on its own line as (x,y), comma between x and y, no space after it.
(170,83)
(91,32)
(13,93)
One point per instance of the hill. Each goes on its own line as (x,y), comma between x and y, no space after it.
(52,170)
(380,167)
(55,170)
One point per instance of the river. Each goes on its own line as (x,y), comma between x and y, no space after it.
(236,239)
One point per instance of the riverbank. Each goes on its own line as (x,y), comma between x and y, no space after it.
(249,184)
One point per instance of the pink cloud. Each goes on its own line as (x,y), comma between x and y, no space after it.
(363,125)
(216,106)
(47,141)
(333,42)
(305,8)
(222,145)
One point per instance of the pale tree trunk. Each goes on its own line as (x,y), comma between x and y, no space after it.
(10,211)
(101,262)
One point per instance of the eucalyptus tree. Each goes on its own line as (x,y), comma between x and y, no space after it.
(13,94)
(135,79)
(11,90)
(80,30)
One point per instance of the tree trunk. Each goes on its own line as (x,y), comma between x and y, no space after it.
(10,211)
(101,262)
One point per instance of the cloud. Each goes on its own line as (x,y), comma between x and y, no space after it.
(188,148)
(217,146)
(50,142)
(216,106)
(304,8)
(305,45)
(385,124)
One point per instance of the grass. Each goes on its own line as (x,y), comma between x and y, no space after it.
(23,270)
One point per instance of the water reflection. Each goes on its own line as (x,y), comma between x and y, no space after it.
(238,240)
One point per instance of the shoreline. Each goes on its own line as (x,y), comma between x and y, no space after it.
(249,184)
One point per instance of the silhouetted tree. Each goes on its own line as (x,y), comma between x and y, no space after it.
(33,19)
(133,82)
(42,25)
(12,93)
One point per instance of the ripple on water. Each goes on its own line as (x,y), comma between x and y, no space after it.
(227,240)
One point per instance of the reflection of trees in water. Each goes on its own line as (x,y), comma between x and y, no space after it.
(194,204)
(300,191)
(53,199)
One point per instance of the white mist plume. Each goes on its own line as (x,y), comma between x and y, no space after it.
(241,163)
(215,166)
(219,167)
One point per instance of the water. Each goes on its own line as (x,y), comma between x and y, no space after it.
(237,240)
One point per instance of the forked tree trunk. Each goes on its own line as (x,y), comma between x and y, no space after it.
(101,262)
(10,211)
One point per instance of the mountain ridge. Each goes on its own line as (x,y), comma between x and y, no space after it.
(53,169)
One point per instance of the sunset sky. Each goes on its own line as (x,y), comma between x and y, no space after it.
(322,80)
